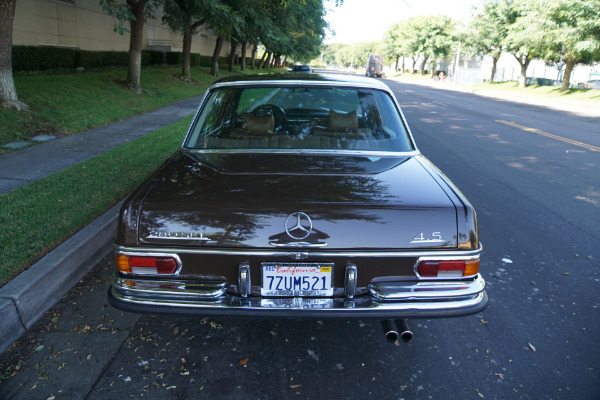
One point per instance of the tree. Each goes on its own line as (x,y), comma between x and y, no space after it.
(296,28)
(488,30)
(134,12)
(570,30)
(8,92)
(522,41)
(392,45)
(429,38)
(186,17)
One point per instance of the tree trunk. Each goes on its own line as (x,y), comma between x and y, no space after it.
(243,63)
(423,65)
(277,60)
(569,65)
(274,62)
(254,50)
(414,63)
(186,57)
(214,69)
(396,65)
(8,92)
(494,66)
(232,55)
(262,60)
(524,61)
(135,45)
(403,65)
(265,59)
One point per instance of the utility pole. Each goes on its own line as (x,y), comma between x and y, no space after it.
(457,62)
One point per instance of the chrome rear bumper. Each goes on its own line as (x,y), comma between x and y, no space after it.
(385,300)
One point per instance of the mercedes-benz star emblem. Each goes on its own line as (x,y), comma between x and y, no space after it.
(298,225)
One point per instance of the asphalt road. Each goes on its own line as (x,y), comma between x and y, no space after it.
(538,202)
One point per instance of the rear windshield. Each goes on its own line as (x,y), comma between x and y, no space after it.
(317,118)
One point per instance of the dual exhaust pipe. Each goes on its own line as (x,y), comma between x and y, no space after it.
(395,330)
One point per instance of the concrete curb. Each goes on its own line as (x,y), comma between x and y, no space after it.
(28,296)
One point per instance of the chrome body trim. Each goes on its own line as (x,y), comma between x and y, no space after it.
(438,254)
(244,280)
(333,152)
(152,290)
(297,244)
(428,290)
(400,299)
(350,281)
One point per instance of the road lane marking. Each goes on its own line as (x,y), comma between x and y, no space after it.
(550,135)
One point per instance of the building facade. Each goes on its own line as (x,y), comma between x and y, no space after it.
(82,24)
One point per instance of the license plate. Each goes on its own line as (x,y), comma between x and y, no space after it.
(297,279)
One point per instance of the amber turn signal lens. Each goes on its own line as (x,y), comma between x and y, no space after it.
(471,267)
(123,263)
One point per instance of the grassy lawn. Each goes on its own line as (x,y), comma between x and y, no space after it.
(542,92)
(38,217)
(66,104)
(546,92)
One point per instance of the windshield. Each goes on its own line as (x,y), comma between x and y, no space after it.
(319,118)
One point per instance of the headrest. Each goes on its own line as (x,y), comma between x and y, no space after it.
(258,126)
(343,122)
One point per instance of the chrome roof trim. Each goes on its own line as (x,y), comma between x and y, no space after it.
(284,83)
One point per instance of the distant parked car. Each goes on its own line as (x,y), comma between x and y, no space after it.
(301,68)
(594,84)
(375,66)
(299,196)
(543,82)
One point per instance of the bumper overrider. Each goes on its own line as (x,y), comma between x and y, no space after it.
(401,299)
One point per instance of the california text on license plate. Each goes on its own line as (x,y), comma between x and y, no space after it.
(297,279)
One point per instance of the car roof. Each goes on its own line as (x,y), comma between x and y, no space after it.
(301,79)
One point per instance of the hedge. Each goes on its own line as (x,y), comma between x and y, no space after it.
(44,58)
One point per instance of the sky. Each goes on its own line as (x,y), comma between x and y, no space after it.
(366,20)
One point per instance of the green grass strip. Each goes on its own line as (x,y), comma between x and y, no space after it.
(39,216)
(591,96)
(62,105)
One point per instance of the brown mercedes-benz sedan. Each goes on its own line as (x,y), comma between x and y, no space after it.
(299,196)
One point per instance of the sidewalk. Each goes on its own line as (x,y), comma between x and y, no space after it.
(25,299)
(21,167)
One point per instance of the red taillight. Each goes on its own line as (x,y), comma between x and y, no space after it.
(146,264)
(448,268)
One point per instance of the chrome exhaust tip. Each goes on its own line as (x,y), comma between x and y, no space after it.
(406,334)
(390,330)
